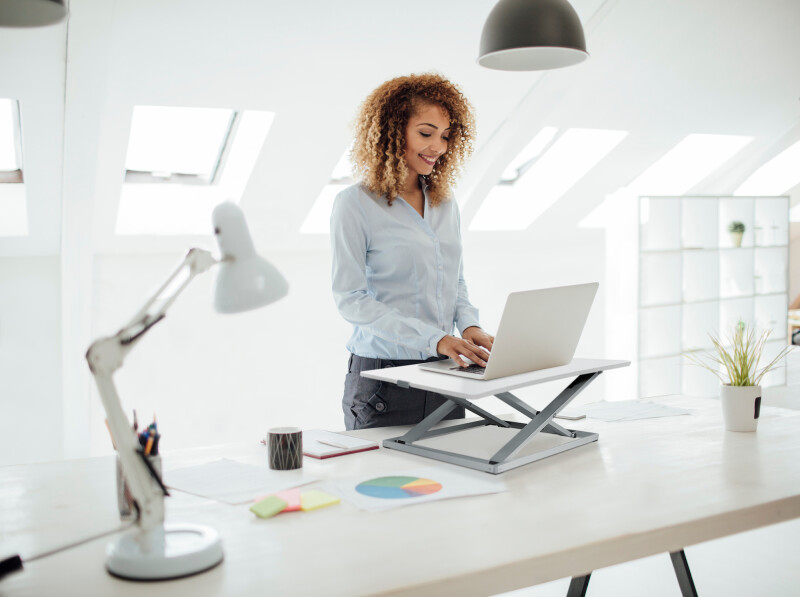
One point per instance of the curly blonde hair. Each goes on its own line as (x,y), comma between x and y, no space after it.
(380,135)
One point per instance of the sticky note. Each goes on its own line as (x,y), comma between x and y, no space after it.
(268,507)
(292,499)
(311,500)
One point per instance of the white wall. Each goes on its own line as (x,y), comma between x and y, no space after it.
(217,379)
(30,359)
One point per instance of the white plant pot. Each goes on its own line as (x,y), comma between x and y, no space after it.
(736,238)
(741,406)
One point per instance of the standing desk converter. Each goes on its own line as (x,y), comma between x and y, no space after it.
(461,391)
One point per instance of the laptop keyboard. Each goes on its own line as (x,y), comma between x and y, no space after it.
(471,369)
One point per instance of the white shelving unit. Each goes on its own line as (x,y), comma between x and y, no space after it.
(693,281)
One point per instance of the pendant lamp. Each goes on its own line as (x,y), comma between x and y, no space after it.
(524,35)
(31,13)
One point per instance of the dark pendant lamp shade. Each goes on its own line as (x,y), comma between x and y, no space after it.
(31,13)
(523,35)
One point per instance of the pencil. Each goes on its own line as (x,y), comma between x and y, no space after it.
(113,443)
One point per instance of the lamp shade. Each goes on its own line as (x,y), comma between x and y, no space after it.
(245,281)
(524,35)
(31,13)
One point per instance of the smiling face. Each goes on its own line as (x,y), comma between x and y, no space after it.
(427,134)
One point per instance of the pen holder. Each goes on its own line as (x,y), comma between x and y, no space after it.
(285,448)
(124,497)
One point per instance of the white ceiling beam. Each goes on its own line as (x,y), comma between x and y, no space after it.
(90,31)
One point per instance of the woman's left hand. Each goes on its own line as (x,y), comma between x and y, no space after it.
(477,336)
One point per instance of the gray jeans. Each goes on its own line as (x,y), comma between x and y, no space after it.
(371,403)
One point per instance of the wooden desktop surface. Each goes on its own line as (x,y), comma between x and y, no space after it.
(646,487)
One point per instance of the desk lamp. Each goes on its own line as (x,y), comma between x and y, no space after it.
(154,550)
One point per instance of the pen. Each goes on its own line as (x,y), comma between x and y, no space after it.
(334,444)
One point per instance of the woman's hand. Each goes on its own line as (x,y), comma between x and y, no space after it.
(477,336)
(456,347)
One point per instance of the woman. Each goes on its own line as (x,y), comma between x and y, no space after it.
(396,241)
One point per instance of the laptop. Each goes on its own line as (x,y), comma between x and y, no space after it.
(539,329)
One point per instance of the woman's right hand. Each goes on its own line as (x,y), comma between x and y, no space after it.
(456,347)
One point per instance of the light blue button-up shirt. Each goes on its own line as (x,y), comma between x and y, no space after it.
(398,278)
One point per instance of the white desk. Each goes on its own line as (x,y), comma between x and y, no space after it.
(647,487)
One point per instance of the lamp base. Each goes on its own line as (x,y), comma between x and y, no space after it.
(168,551)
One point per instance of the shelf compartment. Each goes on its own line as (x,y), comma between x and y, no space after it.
(700,273)
(699,217)
(735,209)
(732,311)
(698,321)
(736,274)
(659,224)
(770,314)
(660,275)
(771,226)
(770,267)
(658,377)
(659,331)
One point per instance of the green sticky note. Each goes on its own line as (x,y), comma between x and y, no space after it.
(311,500)
(268,507)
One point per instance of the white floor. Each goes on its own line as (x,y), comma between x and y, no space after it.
(764,562)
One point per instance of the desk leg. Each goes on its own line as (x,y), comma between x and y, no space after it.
(578,586)
(681,566)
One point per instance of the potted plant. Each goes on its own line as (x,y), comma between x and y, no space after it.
(736,366)
(737,230)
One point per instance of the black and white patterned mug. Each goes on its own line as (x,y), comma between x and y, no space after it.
(285,448)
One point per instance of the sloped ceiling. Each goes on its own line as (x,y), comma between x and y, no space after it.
(659,69)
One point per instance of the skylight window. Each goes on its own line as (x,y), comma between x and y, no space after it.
(686,164)
(10,147)
(343,171)
(518,165)
(164,208)
(776,177)
(13,210)
(318,219)
(517,206)
(181,145)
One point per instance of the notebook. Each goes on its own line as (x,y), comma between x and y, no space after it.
(318,443)
(539,329)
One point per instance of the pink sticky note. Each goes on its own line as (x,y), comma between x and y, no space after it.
(290,496)
(292,499)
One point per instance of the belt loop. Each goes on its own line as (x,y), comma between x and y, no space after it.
(378,364)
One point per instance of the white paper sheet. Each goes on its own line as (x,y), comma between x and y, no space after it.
(451,483)
(629,410)
(233,482)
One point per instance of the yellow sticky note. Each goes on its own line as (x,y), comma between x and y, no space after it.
(268,507)
(311,500)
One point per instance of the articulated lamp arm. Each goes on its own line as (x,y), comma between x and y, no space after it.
(106,355)
(245,281)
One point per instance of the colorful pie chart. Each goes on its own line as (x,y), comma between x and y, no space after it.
(391,488)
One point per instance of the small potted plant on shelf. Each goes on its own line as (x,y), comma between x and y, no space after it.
(736,366)
(737,230)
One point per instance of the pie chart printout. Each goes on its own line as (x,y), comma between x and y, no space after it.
(390,488)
